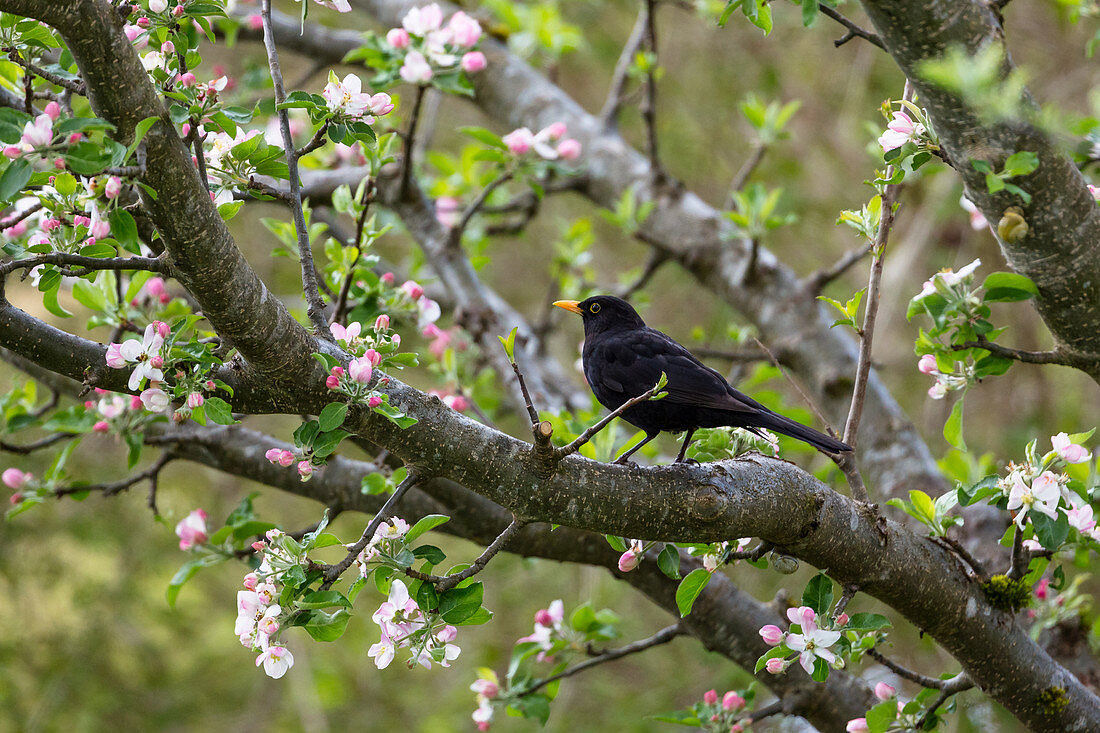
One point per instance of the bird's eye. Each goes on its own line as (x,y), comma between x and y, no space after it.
(594,308)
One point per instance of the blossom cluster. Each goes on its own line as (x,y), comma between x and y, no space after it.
(1034,487)
(958,289)
(487,689)
(883,692)
(387,542)
(431,47)
(286,458)
(18,481)
(404,625)
(192,529)
(548,627)
(723,714)
(809,643)
(548,143)
(259,616)
(910,126)
(347,100)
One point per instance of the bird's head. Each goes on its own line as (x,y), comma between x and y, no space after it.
(603,313)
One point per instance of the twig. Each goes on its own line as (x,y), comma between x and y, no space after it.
(663,636)
(649,101)
(853,29)
(845,598)
(656,259)
(369,191)
(742,176)
(805,397)
(114,488)
(64,261)
(1020,558)
(1029,357)
(410,138)
(75,87)
(610,112)
(587,434)
(332,572)
(36,445)
(30,211)
(816,282)
(269,190)
(200,157)
(531,411)
(445,582)
(317,141)
(968,558)
(752,555)
(773,708)
(126,171)
(454,236)
(900,671)
(958,683)
(315,305)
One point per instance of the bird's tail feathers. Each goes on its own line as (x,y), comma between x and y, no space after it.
(786,426)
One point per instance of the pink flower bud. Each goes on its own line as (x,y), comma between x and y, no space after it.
(374,402)
(114,356)
(772,635)
(13,478)
(167,47)
(158,6)
(483,726)
(162,328)
(135,402)
(15,498)
(388,278)
(185,130)
(177,11)
(131,31)
(1041,591)
(569,149)
(113,187)
(458,403)
(486,688)
(305,470)
(59,163)
(286,459)
(143,22)
(258,546)
(927,364)
(195,399)
(360,370)
(473,62)
(543,618)
(382,322)
(842,619)
(884,691)
(519,141)
(251,580)
(256,22)
(398,37)
(273,455)
(11,151)
(268,625)
(732,701)
(412,289)
(556,130)
(332,382)
(156,362)
(736,728)
(101,426)
(373,356)
(710,697)
(775,665)
(75,138)
(857,725)
(628,561)
(53,110)
(209,385)
(186,79)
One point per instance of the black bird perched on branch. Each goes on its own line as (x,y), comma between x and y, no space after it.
(624,358)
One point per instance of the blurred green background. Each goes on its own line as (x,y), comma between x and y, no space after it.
(88,642)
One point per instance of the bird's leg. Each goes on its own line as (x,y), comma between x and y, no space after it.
(625,456)
(684,447)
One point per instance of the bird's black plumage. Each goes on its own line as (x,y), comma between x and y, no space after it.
(624,358)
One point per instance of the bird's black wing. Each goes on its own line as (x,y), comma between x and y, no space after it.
(632,362)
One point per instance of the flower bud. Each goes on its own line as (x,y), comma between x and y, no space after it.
(569,149)
(884,691)
(305,470)
(332,382)
(732,701)
(382,322)
(398,37)
(485,688)
(775,665)
(772,635)
(628,561)
(13,478)
(286,458)
(543,618)
(710,697)
(195,399)
(374,401)
(251,580)
(101,427)
(857,725)
(412,289)
(473,62)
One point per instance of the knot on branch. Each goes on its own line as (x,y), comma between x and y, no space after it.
(708,503)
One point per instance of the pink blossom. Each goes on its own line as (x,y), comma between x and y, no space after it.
(13,478)
(628,561)
(569,149)
(154,399)
(286,459)
(332,382)
(412,289)
(465,31)
(37,133)
(884,691)
(167,47)
(775,665)
(101,427)
(113,187)
(473,62)
(899,131)
(12,151)
(374,401)
(416,69)
(347,335)
(251,580)
(53,111)
(115,360)
(143,22)
(772,635)
(373,356)
(132,32)
(186,79)
(938,390)
(398,37)
(422,21)
(256,22)
(458,403)
(388,278)
(347,97)
(1041,590)
(192,529)
(157,6)
(842,619)
(360,369)
(195,400)
(519,141)
(1068,450)
(1081,518)
(732,701)
(710,697)
(382,322)
(380,104)
(485,688)
(447,211)
(977,219)
(1095,191)
(305,470)
(556,130)
(857,725)
(1043,495)
(273,454)
(927,364)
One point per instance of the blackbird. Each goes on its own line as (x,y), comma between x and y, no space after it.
(624,358)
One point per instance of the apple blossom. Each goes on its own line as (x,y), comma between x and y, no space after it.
(374,401)
(732,701)
(465,31)
(775,665)
(346,97)
(1068,450)
(359,369)
(101,427)
(977,219)
(899,131)
(348,335)
(938,390)
(519,141)
(710,697)
(1042,495)
(473,62)
(398,37)
(276,659)
(422,21)
(483,715)
(192,529)
(341,6)
(140,354)
(382,323)
(195,400)
(772,635)
(113,187)
(857,725)
(569,149)
(37,133)
(1081,518)
(416,68)
(412,289)
(927,364)
(250,581)
(884,691)
(485,688)
(157,6)
(13,478)
(155,399)
(813,643)
(305,470)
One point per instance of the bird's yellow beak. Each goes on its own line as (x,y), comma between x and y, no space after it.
(569,305)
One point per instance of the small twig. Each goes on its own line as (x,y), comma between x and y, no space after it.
(454,236)
(773,708)
(200,157)
(649,101)
(36,445)
(587,435)
(269,190)
(65,261)
(315,305)
(958,683)
(742,176)
(74,87)
(845,598)
(958,548)
(752,555)
(816,282)
(900,671)
(360,225)
(1029,357)
(410,139)
(118,486)
(22,215)
(317,141)
(126,171)
(853,29)
(332,572)
(446,582)
(1020,558)
(663,636)
(610,112)
(656,259)
(798,388)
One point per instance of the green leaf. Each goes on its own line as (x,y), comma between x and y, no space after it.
(953,428)
(332,416)
(323,599)
(185,573)
(510,344)
(1051,533)
(484,136)
(669,561)
(455,606)
(1008,287)
(123,228)
(976,492)
(868,622)
(1021,164)
(140,129)
(14,178)
(819,593)
(218,411)
(425,524)
(327,626)
(881,716)
(922,503)
(690,588)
